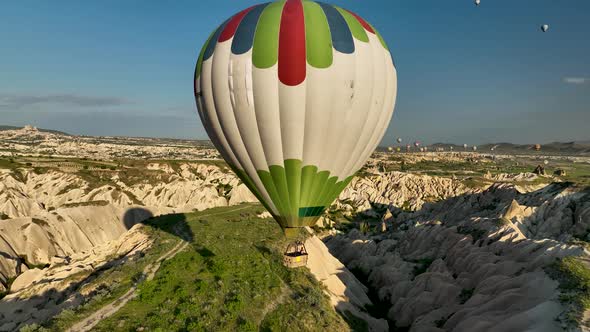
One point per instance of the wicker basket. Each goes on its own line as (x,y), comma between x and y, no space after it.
(295,255)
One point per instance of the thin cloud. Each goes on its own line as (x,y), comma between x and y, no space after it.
(23,101)
(576,80)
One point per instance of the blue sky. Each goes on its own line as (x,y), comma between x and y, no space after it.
(465,73)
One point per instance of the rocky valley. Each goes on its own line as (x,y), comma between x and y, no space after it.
(416,242)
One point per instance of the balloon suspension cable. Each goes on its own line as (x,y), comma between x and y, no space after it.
(291,233)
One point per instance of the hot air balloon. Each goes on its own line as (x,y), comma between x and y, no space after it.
(398,149)
(465,146)
(537,147)
(295,95)
(451,148)
(474,148)
(544,27)
(408,148)
(417,143)
(390,149)
(421,149)
(399,140)
(477,2)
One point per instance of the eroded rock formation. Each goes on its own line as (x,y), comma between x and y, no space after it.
(59,214)
(39,294)
(474,261)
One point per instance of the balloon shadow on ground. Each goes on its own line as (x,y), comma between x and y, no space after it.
(135,216)
(174,224)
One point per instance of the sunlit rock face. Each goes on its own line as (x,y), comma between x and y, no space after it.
(405,190)
(347,294)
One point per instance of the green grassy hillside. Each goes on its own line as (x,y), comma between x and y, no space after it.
(229,278)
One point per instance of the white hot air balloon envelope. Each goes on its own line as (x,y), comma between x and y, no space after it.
(296,96)
(544,27)
(399,140)
(477,2)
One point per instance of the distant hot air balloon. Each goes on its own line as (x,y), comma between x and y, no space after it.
(544,27)
(474,148)
(465,146)
(398,149)
(390,149)
(417,143)
(477,2)
(537,147)
(425,149)
(451,148)
(295,95)
(399,140)
(421,149)
(408,148)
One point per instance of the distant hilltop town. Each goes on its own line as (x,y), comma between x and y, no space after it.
(32,141)
(30,128)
